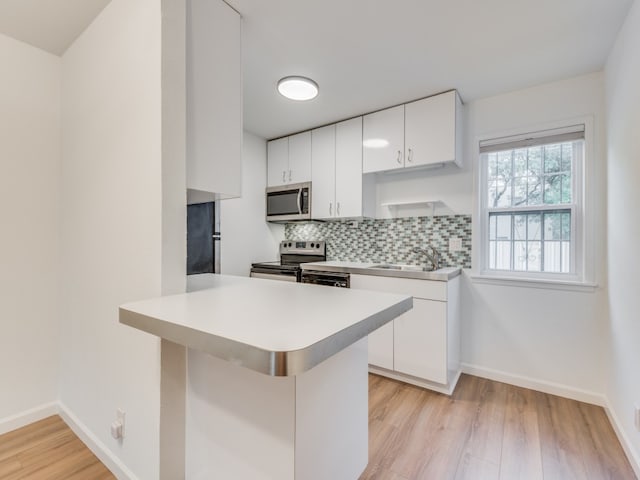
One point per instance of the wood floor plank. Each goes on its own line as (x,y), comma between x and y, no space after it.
(600,447)
(561,454)
(487,430)
(9,466)
(15,441)
(48,450)
(474,468)
(416,440)
(521,453)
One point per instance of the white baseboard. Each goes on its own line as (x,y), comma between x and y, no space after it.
(632,455)
(535,384)
(100,450)
(14,422)
(419,382)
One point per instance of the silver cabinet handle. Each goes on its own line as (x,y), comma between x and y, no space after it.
(338,208)
(283,176)
(399,156)
(330,209)
(289,175)
(410,156)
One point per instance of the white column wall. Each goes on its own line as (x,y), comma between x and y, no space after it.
(623,227)
(246,236)
(545,338)
(29,224)
(112,237)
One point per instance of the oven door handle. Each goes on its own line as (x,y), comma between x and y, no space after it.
(299,201)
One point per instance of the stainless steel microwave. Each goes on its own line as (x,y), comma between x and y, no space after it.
(289,203)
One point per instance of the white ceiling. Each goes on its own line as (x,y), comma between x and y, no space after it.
(51,25)
(370,54)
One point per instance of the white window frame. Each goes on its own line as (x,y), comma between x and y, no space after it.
(582,223)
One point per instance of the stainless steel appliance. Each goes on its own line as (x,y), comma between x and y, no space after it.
(203,238)
(289,203)
(292,254)
(330,279)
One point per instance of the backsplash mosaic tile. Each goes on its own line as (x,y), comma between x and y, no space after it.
(390,240)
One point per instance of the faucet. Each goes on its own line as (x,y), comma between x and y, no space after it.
(432,256)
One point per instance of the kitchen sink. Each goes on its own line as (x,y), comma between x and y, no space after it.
(406,268)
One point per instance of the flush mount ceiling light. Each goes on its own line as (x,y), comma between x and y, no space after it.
(375,143)
(298,88)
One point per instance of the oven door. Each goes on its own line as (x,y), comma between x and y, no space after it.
(289,203)
(271,274)
(330,279)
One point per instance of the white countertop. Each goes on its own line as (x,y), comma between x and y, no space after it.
(277,328)
(442,274)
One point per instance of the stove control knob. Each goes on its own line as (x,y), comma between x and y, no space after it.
(312,245)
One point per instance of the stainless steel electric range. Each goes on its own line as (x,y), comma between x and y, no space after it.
(292,254)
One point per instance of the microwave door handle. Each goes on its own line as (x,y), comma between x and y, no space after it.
(299,201)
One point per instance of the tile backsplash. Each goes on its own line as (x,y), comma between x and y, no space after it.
(389,240)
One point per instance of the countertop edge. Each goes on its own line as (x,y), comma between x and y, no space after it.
(366,269)
(273,363)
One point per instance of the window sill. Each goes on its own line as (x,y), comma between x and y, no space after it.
(528,282)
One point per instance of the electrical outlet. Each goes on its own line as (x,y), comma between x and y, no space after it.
(455,244)
(117,427)
(637,416)
(120,416)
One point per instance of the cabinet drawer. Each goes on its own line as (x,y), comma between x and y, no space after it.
(426,289)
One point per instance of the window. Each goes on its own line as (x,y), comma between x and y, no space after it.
(531,203)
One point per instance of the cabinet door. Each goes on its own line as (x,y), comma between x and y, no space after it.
(381,347)
(323,171)
(383,140)
(430,130)
(420,341)
(299,158)
(349,168)
(381,340)
(214,99)
(277,162)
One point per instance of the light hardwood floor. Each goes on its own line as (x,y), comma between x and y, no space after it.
(48,450)
(486,430)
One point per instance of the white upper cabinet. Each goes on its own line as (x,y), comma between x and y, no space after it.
(430,130)
(289,160)
(417,134)
(299,158)
(349,198)
(278,160)
(323,172)
(214,98)
(383,140)
(336,172)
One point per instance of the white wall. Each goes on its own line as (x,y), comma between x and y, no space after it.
(112,227)
(29,212)
(529,335)
(246,237)
(623,258)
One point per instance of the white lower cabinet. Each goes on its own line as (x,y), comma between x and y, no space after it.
(381,345)
(422,346)
(419,341)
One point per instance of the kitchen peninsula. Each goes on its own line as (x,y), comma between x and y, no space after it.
(284,394)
